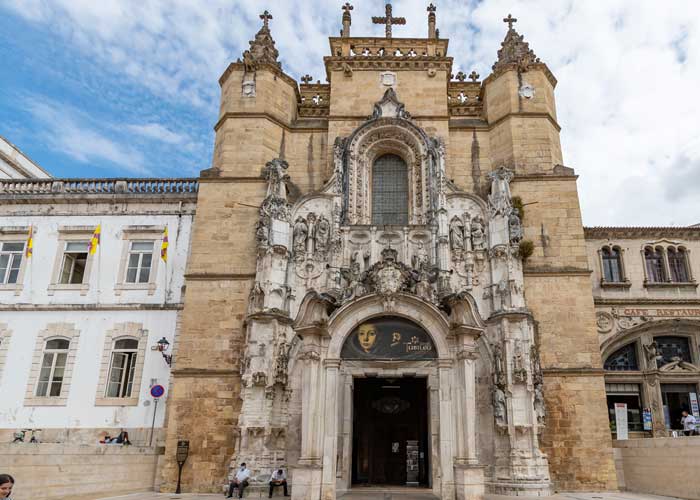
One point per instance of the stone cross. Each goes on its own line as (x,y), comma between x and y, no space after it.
(510,20)
(347,7)
(306,79)
(461,76)
(388,20)
(266,16)
(432,8)
(473,76)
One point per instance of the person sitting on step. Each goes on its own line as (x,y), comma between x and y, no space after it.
(278,478)
(240,481)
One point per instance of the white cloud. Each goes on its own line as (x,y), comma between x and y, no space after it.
(628,73)
(158,132)
(67,132)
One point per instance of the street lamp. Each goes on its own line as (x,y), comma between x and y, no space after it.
(162,346)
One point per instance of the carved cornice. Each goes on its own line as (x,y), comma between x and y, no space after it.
(373,63)
(632,232)
(92,307)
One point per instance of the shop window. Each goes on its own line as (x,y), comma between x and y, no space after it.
(53,366)
(389,191)
(612,265)
(628,394)
(673,347)
(623,359)
(678,265)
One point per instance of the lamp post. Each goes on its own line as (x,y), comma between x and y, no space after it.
(162,346)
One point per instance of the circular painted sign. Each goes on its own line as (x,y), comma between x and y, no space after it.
(157,391)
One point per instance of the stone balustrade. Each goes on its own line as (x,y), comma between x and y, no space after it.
(99,186)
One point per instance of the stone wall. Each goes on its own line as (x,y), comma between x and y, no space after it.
(50,471)
(659,466)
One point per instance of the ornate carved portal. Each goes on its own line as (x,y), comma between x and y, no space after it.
(454,271)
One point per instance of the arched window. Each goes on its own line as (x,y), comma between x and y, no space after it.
(678,264)
(623,359)
(53,366)
(612,265)
(673,347)
(654,261)
(389,191)
(122,368)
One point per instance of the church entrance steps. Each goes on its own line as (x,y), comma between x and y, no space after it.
(387,493)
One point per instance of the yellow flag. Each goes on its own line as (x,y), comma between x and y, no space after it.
(164,245)
(95,240)
(29,250)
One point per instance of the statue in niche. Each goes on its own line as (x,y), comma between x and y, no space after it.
(515,228)
(535,364)
(540,410)
(300,233)
(519,371)
(424,278)
(499,373)
(456,234)
(256,299)
(420,257)
(478,233)
(353,276)
(323,232)
(282,362)
(311,223)
(499,198)
(499,406)
(262,232)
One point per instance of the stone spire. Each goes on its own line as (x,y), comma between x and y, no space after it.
(514,49)
(347,20)
(431,21)
(262,49)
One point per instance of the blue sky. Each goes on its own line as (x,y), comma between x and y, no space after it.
(129,88)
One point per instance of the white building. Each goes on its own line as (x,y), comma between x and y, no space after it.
(16,165)
(79,331)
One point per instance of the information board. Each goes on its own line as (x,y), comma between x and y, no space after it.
(621,420)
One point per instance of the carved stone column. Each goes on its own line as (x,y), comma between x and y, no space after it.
(447,428)
(330,426)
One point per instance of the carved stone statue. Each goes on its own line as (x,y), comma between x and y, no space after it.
(258,367)
(276,175)
(514,227)
(248,61)
(323,232)
(311,224)
(499,198)
(535,364)
(262,232)
(652,354)
(478,233)
(300,233)
(499,406)
(353,276)
(281,364)
(499,372)
(519,371)
(540,410)
(256,299)
(456,234)
(420,257)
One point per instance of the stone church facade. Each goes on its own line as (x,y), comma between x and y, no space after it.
(396,241)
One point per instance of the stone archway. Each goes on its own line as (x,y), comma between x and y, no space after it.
(324,468)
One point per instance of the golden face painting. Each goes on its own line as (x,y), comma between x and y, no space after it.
(367,336)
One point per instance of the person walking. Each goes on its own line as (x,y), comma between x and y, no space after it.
(689,423)
(278,478)
(6,484)
(240,481)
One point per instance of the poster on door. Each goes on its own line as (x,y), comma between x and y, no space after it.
(694,405)
(646,419)
(621,420)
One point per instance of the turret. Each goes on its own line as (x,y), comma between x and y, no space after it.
(253,87)
(519,100)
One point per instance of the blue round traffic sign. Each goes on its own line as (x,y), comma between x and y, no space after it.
(157,391)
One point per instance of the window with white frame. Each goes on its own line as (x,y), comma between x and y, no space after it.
(122,368)
(139,263)
(11,253)
(53,366)
(74,262)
